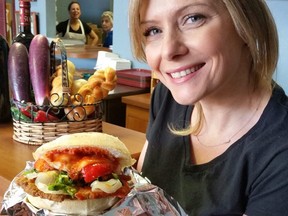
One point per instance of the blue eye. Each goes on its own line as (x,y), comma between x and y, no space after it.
(194,18)
(151,31)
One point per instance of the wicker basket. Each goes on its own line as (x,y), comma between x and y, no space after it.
(37,133)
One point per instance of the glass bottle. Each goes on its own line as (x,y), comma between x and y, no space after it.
(5,114)
(25,35)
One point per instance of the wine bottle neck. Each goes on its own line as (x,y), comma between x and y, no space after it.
(25,17)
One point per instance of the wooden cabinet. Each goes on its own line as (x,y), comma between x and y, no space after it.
(137,111)
(114,109)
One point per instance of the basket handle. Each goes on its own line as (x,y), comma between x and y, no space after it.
(58,44)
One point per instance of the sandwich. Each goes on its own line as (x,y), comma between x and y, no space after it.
(79,174)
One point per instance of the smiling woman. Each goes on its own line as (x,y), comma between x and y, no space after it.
(74,28)
(215,61)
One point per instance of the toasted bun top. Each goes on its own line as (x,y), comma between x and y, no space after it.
(89,139)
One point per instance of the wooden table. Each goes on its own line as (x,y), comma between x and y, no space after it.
(4,184)
(13,155)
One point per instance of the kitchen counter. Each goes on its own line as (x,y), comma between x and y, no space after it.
(84,51)
(125,90)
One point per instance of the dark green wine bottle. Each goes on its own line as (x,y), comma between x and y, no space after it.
(25,35)
(5,114)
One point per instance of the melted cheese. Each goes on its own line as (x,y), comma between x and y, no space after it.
(110,186)
(62,161)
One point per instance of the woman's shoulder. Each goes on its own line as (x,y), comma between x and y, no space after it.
(110,33)
(280,95)
(62,25)
(276,111)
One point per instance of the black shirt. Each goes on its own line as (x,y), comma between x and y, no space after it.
(250,177)
(62,27)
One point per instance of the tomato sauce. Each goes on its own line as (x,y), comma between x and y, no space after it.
(73,160)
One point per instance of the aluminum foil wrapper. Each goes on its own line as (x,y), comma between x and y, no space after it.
(143,199)
(146,199)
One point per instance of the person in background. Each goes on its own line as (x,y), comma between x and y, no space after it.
(107,27)
(217,138)
(74,28)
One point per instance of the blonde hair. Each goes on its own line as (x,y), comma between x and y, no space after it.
(253,22)
(108,14)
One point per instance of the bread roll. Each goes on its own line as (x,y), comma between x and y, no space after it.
(110,74)
(90,139)
(71,67)
(75,113)
(75,207)
(77,84)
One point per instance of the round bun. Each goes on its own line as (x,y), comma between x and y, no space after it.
(75,207)
(89,139)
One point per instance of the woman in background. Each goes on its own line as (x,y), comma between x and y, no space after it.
(107,27)
(74,28)
(217,139)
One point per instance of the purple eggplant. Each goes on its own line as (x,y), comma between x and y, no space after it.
(18,72)
(39,67)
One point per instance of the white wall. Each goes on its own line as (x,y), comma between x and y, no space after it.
(279,9)
(121,39)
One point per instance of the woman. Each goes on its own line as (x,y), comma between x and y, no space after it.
(74,28)
(107,27)
(217,139)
